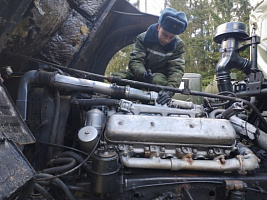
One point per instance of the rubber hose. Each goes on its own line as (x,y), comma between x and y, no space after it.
(43,192)
(59,183)
(53,134)
(78,158)
(68,164)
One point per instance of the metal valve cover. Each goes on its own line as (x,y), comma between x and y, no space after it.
(169,130)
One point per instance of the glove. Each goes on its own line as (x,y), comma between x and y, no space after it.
(148,76)
(164,97)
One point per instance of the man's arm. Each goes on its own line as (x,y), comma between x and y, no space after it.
(137,59)
(176,66)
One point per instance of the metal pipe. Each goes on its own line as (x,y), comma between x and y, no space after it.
(75,84)
(26,79)
(241,163)
(245,128)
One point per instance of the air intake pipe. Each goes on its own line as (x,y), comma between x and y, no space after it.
(75,84)
(230,35)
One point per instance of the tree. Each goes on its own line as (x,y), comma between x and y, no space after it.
(204,16)
(202,53)
(120,60)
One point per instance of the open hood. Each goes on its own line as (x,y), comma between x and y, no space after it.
(77,34)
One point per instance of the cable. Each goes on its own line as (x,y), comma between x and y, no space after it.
(173,183)
(66,147)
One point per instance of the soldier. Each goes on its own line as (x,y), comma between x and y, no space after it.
(157,56)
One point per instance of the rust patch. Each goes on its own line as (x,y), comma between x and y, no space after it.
(234,185)
(188,158)
(221,159)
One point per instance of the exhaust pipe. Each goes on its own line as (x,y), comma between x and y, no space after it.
(242,163)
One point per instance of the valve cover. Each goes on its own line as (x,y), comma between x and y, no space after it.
(169,130)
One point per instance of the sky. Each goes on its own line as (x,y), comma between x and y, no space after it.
(153,6)
(156,6)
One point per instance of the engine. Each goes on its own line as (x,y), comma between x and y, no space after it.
(120,144)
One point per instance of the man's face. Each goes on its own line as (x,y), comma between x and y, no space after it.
(164,36)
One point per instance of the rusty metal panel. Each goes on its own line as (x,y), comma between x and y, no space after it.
(11,12)
(15,171)
(11,124)
(67,40)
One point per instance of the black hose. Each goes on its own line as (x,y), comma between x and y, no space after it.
(78,166)
(69,163)
(43,192)
(78,158)
(53,134)
(78,188)
(216,112)
(95,101)
(58,183)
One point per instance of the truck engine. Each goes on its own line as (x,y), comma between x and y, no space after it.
(72,133)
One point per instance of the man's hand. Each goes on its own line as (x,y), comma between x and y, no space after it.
(164,97)
(148,76)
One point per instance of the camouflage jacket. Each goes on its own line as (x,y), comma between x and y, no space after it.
(166,62)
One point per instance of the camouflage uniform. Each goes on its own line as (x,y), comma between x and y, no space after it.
(166,62)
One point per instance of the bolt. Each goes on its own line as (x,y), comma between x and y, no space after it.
(120,122)
(194,151)
(87,132)
(227,152)
(223,160)
(162,149)
(179,150)
(185,150)
(2,140)
(146,148)
(210,151)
